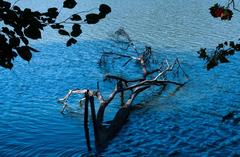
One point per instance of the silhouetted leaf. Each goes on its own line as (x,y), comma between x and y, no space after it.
(76,30)
(32,32)
(26,17)
(227,14)
(231,44)
(24,53)
(105,9)
(14,42)
(202,53)
(69,4)
(52,12)
(24,40)
(71,41)
(102,15)
(11,33)
(32,49)
(220,11)
(212,63)
(219,46)
(18,30)
(76,17)
(223,59)
(36,14)
(44,19)
(7,64)
(237,47)
(76,27)
(92,18)
(3,39)
(63,32)
(4,4)
(57,26)
(16,8)
(5,30)
(50,20)
(14,54)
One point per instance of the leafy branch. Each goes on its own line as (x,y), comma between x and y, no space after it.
(225,49)
(21,24)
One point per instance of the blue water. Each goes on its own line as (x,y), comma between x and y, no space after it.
(185,123)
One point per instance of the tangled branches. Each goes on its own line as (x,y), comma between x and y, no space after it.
(127,89)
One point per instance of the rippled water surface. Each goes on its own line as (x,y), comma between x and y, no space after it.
(185,123)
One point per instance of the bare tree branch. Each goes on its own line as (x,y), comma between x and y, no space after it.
(150,78)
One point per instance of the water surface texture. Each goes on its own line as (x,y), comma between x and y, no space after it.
(186,123)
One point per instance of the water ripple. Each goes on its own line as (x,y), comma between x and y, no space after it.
(186,123)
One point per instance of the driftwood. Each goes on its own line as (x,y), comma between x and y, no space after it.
(105,131)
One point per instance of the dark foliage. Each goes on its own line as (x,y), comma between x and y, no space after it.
(220,11)
(92,18)
(71,41)
(21,25)
(105,9)
(220,54)
(69,4)
(76,17)
(76,30)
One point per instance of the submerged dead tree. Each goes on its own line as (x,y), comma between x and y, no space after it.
(127,89)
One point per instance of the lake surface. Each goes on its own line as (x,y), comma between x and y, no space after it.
(186,123)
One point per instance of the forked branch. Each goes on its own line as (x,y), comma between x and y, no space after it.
(127,88)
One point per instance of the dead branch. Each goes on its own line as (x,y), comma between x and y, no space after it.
(150,78)
(86,122)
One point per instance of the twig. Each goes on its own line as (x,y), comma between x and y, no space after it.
(65,21)
(14,3)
